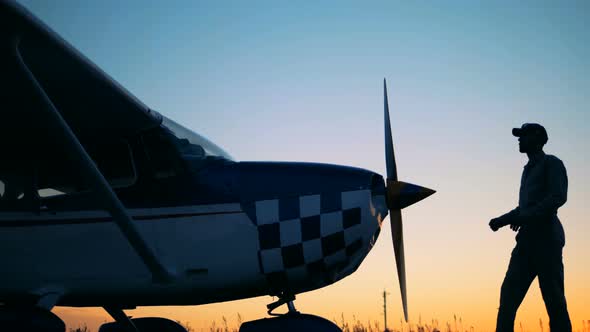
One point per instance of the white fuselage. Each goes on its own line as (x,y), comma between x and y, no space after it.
(214,252)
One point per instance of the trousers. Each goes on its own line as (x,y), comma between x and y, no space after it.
(527,262)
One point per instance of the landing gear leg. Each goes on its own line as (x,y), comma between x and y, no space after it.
(291,306)
(119,316)
(283,299)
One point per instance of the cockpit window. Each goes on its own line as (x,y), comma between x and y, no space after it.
(192,145)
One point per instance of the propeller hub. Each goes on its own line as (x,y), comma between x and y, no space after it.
(401,194)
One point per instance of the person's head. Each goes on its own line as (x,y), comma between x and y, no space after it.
(531,137)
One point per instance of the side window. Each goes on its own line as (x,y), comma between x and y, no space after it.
(162,154)
(115,162)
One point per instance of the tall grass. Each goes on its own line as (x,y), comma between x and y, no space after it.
(355,325)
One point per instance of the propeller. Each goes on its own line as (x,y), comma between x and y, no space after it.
(399,196)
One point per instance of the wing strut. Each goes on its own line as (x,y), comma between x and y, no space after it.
(99,184)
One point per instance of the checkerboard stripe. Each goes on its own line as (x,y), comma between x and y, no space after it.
(306,234)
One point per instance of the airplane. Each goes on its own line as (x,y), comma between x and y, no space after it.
(105,202)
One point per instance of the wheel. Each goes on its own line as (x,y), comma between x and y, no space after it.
(30,319)
(290,323)
(146,324)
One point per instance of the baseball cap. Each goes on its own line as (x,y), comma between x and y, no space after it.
(531,128)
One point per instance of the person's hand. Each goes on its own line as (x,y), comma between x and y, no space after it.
(516,223)
(495,224)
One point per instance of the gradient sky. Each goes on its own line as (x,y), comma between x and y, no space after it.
(284,80)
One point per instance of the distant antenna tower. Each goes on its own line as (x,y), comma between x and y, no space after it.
(385,309)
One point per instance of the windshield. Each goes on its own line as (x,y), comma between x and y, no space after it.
(193,145)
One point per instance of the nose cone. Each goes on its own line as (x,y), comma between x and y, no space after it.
(401,194)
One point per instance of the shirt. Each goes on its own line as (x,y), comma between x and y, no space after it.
(543,190)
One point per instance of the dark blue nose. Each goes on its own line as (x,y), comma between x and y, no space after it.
(271,180)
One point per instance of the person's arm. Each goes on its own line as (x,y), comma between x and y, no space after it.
(555,197)
(505,219)
(509,217)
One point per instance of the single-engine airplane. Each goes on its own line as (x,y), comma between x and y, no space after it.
(107,203)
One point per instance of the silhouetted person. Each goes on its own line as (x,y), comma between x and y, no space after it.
(540,238)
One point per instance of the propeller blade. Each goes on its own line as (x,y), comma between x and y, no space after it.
(395,215)
(389,154)
(397,236)
(399,195)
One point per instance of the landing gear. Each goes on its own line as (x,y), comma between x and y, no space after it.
(291,321)
(122,323)
(283,299)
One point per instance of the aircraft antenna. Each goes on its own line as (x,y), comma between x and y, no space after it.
(385,309)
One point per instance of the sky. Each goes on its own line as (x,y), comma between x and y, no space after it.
(302,81)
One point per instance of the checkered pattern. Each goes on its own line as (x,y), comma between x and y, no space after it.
(306,235)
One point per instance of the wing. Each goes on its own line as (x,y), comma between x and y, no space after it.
(55,104)
(91,102)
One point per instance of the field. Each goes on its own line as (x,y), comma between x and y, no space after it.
(355,325)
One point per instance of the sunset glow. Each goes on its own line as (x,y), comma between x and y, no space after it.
(295,81)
